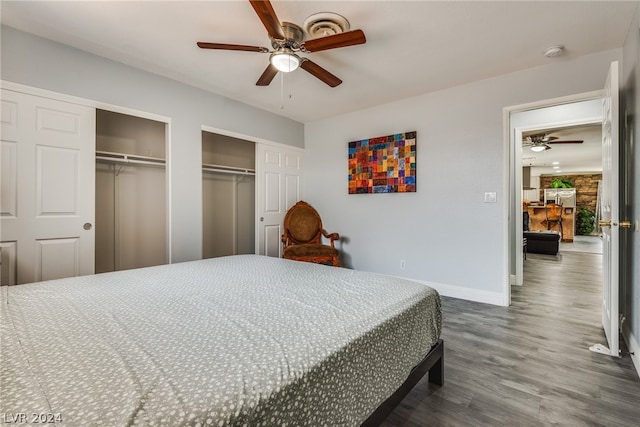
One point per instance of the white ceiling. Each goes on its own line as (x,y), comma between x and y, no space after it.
(413,47)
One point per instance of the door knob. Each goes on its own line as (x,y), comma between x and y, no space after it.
(87,226)
(604,223)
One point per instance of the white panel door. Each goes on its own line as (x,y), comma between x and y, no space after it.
(279,186)
(609,213)
(47,204)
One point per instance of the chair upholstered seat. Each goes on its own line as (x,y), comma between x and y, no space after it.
(302,237)
(310,249)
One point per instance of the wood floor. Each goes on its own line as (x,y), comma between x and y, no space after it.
(529,364)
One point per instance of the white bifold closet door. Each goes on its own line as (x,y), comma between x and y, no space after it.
(46,194)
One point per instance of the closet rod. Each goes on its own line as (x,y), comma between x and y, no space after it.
(130,161)
(106,156)
(228,169)
(234,172)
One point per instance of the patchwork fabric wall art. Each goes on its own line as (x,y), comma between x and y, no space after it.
(386,164)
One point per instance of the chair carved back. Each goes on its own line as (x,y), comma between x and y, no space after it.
(302,237)
(553,211)
(302,225)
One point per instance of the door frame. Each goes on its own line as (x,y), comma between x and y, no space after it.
(259,142)
(246,138)
(513,170)
(44,93)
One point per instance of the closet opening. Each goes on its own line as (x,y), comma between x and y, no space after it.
(228,195)
(131,220)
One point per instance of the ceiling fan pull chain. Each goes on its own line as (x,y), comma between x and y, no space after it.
(282,91)
(290,80)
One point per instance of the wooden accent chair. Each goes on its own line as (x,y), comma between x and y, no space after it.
(553,213)
(302,237)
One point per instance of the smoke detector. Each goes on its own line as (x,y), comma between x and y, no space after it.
(325,24)
(553,51)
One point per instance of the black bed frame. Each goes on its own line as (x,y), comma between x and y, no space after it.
(433,363)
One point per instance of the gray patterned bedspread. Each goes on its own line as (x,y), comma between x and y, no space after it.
(243,340)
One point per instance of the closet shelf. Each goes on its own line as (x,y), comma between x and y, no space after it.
(107,156)
(228,169)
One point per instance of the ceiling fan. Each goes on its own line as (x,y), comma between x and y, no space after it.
(287,40)
(541,142)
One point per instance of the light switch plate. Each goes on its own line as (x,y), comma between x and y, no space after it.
(490,197)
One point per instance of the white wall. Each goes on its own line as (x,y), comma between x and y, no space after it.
(33,61)
(448,236)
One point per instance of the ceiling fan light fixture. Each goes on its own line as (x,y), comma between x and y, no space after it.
(538,148)
(285,61)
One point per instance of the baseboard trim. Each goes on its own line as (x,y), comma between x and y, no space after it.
(633,345)
(469,294)
(495,298)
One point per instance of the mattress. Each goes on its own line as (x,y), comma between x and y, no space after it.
(241,340)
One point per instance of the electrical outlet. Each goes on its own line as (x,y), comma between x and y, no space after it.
(403,264)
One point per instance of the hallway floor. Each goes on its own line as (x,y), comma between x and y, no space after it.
(588,244)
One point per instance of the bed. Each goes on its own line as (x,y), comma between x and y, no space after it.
(241,340)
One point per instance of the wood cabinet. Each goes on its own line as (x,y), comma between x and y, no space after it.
(538,221)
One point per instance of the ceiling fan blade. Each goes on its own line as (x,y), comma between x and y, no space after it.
(225,46)
(268,16)
(268,75)
(565,142)
(349,38)
(319,72)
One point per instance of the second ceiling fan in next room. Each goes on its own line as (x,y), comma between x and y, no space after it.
(287,40)
(542,141)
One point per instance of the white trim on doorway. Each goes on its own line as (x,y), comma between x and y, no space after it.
(246,137)
(512,168)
